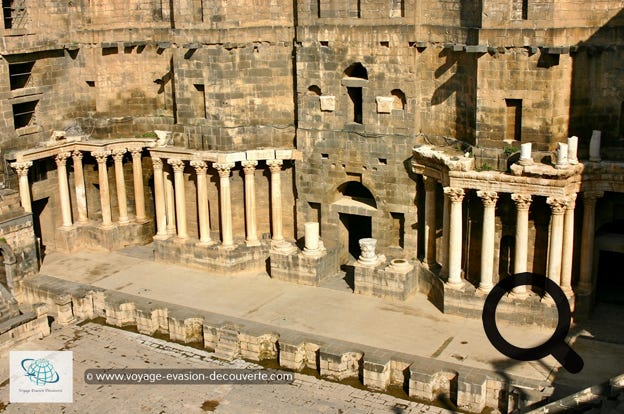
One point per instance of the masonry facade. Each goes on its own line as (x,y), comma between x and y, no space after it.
(219,131)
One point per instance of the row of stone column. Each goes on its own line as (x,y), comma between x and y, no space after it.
(561,240)
(101,157)
(170,198)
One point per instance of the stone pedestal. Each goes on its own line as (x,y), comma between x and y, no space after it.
(573,150)
(562,155)
(395,281)
(594,146)
(303,268)
(368,257)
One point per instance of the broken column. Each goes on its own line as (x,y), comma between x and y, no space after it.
(313,243)
(525,154)
(562,155)
(368,257)
(594,146)
(573,150)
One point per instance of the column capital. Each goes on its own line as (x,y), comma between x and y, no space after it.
(523,201)
(430,183)
(77,155)
(136,150)
(61,158)
(249,167)
(557,205)
(489,198)
(456,195)
(101,156)
(157,163)
(22,167)
(224,168)
(200,166)
(178,165)
(592,195)
(275,165)
(118,153)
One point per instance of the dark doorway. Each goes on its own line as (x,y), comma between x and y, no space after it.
(610,282)
(353,229)
(356,103)
(43,225)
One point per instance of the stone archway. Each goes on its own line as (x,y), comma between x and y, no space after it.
(355,207)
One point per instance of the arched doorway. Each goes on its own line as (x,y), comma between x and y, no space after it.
(356,207)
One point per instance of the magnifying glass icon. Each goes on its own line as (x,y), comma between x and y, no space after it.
(554,346)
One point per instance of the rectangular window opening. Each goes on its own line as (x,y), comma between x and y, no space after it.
(20,74)
(356,103)
(513,119)
(325,156)
(324,43)
(520,9)
(90,84)
(383,161)
(384,43)
(397,8)
(201,112)
(398,228)
(314,214)
(24,114)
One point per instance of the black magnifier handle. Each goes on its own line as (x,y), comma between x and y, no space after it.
(567,357)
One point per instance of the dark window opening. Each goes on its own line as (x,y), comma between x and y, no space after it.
(399,99)
(397,8)
(513,119)
(356,70)
(384,43)
(314,90)
(19,74)
(91,84)
(525,9)
(358,9)
(356,102)
(398,228)
(325,156)
(383,161)
(24,114)
(315,213)
(318,8)
(14,13)
(324,43)
(201,112)
(520,10)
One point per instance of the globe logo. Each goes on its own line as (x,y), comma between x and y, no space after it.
(40,371)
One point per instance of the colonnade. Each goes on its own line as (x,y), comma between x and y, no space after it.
(101,156)
(171,209)
(560,243)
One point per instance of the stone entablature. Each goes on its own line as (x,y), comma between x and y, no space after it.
(222,157)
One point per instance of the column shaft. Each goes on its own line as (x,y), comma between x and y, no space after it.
(568,245)
(276,199)
(249,168)
(24,186)
(456,195)
(121,185)
(587,241)
(557,206)
(139,193)
(202,201)
(61,163)
(159,198)
(169,202)
(487,239)
(523,203)
(101,157)
(227,239)
(79,183)
(445,235)
(430,220)
(180,197)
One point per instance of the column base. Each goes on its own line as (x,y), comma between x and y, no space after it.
(206,243)
(106,226)
(124,220)
(485,288)
(252,243)
(141,220)
(227,246)
(161,237)
(455,285)
(283,246)
(519,295)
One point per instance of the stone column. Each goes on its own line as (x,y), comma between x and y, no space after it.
(430,220)
(276,199)
(101,157)
(445,235)
(159,199)
(489,199)
(225,203)
(594,146)
(523,203)
(202,202)
(311,237)
(81,195)
(61,164)
(249,167)
(368,257)
(180,197)
(120,182)
(557,207)
(587,241)
(169,202)
(24,186)
(137,174)
(456,196)
(568,245)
